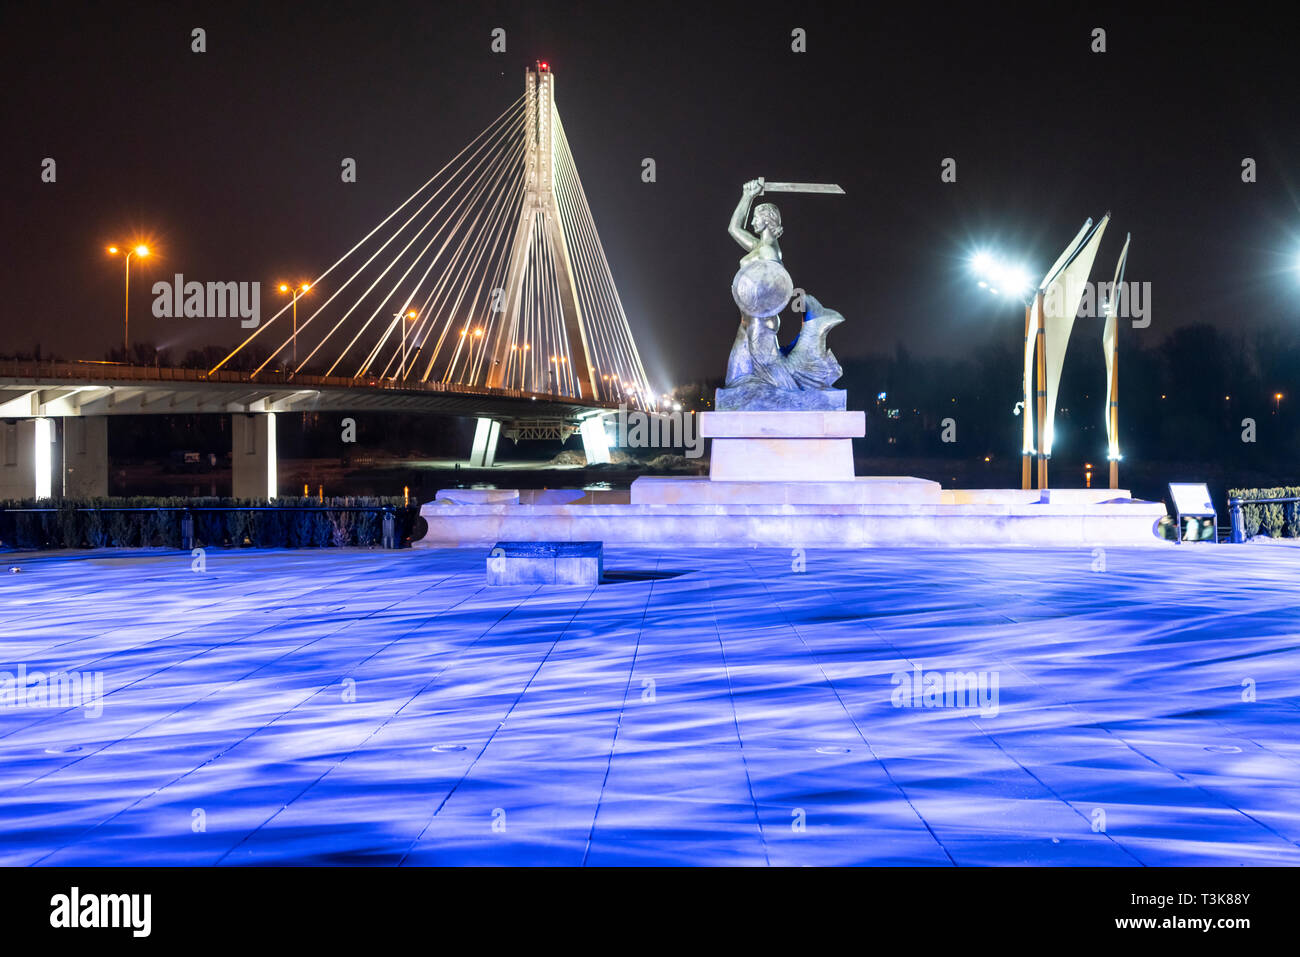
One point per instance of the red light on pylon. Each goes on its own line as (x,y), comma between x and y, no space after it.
(545,66)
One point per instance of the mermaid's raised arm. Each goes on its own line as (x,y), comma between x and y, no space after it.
(737,228)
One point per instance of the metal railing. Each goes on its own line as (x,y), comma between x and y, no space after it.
(389,536)
(1234,506)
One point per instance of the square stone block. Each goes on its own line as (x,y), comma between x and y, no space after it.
(782,446)
(781,460)
(783,425)
(545,563)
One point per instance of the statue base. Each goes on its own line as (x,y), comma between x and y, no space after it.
(782,446)
(758,397)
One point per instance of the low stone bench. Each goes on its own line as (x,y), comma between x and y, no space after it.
(545,563)
(478,496)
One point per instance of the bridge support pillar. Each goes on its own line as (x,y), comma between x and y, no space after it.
(26,458)
(595,441)
(252,457)
(85,456)
(483,454)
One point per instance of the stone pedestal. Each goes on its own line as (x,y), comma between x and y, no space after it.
(863,490)
(782,446)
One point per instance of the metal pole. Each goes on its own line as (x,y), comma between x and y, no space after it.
(126,313)
(1041,365)
(1114,411)
(1238,532)
(295,329)
(1027,409)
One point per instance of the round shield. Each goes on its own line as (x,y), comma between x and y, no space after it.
(762,288)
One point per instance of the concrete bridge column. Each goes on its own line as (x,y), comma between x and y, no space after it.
(484,452)
(85,456)
(595,441)
(252,459)
(26,458)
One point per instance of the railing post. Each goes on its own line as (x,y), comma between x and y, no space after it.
(390,528)
(187,530)
(1238,532)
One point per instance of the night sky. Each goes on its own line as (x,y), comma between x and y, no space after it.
(228,161)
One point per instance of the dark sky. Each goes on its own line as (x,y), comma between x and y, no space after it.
(229,160)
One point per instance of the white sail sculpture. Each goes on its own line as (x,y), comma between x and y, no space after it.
(1048,323)
(1109,348)
(1060,305)
(1033,328)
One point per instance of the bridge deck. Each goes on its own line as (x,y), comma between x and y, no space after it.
(29,389)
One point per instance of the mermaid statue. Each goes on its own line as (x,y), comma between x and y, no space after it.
(761,375)
(761,289)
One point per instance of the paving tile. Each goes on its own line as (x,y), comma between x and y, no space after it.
(342,707)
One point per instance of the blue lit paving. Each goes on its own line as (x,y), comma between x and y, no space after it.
(701,707)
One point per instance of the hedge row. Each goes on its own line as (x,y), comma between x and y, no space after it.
(291,525)
(1276,519)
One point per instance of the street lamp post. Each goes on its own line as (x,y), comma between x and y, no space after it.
(142,251)
(408,317)
(296,292)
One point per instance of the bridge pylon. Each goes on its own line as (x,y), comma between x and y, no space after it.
(539,220)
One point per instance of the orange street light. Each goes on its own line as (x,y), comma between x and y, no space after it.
(409,317)
(141,250)
(297,292)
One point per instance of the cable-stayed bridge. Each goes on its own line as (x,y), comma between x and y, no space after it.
(490,275)
(486,292)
